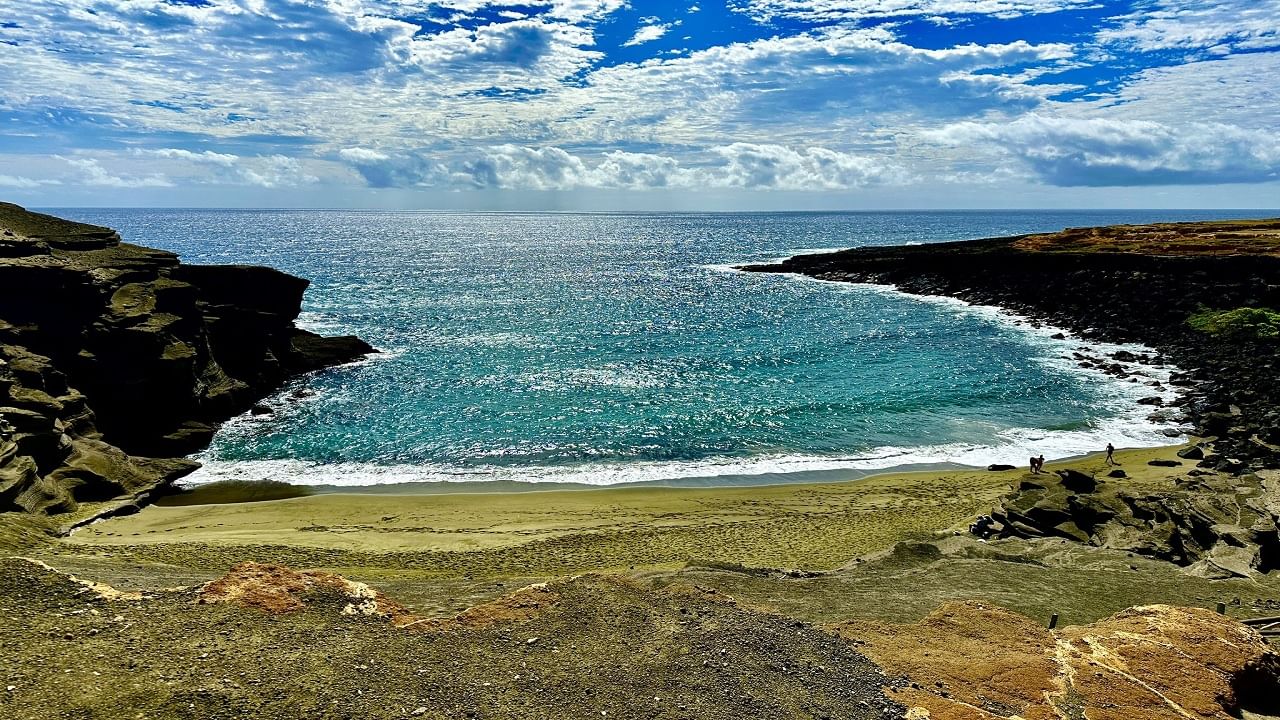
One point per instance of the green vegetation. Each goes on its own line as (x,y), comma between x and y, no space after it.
(1240,322)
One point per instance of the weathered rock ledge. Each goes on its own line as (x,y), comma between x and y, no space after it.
(116,360)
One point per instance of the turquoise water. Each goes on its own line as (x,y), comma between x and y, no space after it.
(608,348)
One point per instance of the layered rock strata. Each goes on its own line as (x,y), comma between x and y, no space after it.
(116,360)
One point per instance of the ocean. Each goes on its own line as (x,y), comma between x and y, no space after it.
(613,348)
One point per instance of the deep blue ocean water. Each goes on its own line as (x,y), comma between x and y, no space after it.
(607,348)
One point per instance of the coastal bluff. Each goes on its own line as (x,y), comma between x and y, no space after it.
(1204,295)
(116,360)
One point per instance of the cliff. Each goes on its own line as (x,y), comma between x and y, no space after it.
(117,360)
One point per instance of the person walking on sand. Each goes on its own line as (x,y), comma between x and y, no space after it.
(1040,463)
(1111,451)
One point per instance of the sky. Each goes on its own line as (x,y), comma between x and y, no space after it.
(617,105)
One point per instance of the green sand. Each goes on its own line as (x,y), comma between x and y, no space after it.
(808,526)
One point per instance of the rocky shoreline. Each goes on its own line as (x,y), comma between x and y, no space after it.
(1122,284)
(1201,295)
(117,360)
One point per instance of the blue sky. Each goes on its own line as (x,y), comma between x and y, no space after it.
(608,104)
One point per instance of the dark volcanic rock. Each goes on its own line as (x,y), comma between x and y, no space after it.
(1123,284)
(113,354)
(1214,526)
(1076,481)
(1194,452)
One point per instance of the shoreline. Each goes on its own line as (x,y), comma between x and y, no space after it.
(815,525)
(1013,445)
(798,479)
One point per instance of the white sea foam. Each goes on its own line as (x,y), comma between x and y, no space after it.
(1011,446)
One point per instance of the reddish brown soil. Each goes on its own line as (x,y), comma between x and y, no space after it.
(1222,237)
(970,661)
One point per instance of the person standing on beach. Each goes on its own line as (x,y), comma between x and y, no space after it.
(1111,450)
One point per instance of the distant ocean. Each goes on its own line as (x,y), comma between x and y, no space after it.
(611,348)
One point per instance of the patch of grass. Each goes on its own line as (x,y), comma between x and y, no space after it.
(1251,322)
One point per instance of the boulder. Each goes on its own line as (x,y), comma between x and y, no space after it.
(1076,481)
(1194,452)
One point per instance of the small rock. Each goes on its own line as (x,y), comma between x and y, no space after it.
(419,711)
(1163,463)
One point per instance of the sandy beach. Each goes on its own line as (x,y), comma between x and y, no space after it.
(811,527)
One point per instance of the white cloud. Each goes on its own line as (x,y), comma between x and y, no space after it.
(206,156)
(832,10)
(404,169)
(90,172)
(1105,152)
(276,171)
(209,167)
(739,165)
(781,168)
(807,89)
(1218,26)
(1238,90)
(23,183)
(647,33)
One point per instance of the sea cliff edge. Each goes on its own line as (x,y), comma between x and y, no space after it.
(117,360)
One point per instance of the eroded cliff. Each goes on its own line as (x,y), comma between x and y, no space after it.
(116,360)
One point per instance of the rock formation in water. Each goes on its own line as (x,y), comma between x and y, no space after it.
(116,360)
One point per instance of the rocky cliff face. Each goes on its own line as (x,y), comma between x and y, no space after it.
(116,360)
